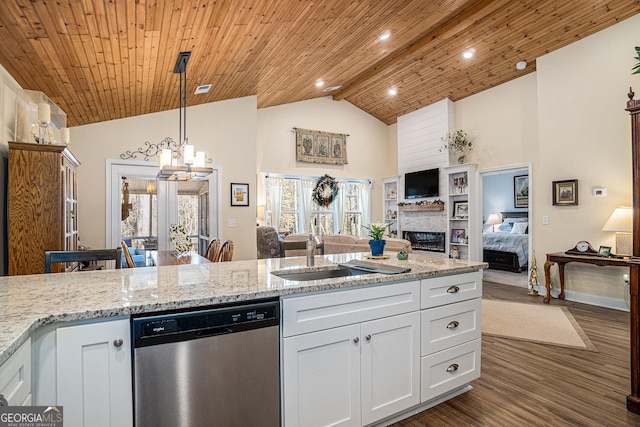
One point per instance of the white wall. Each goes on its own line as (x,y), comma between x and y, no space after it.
(367,144)
(225,130)
(9,89)
(568,120)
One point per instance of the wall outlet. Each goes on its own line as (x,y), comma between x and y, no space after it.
(545,219)
(231,223)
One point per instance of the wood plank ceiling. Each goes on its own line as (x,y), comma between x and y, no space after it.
(107,59)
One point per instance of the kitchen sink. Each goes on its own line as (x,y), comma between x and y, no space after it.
(327,273)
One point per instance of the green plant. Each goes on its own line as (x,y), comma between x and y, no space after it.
(636,68)
(376,231)
(458,140)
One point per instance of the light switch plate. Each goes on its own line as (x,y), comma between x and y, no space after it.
(599,192)
(545,219)
(231,223)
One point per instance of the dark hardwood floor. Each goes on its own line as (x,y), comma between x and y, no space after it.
(527,384)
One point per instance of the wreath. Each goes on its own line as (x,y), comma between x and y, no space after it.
(325,191)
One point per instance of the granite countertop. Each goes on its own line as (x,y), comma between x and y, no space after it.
(28,302)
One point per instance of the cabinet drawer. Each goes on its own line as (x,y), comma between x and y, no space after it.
(450,289)
(450,325)
(449,369)
(332,309)
(15,376)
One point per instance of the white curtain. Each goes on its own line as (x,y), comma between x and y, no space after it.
(341,203)
(364,189)
(275,196)
(306,189)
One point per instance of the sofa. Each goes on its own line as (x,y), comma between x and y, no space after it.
(345,243)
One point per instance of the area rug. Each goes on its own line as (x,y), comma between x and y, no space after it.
(540,323)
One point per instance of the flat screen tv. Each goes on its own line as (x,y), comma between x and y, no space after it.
(421,184)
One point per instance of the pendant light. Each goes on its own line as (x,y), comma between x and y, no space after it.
(182,164)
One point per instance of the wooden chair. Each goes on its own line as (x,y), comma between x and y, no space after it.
(127,255)
(225,253)
(212,249)
(88,255)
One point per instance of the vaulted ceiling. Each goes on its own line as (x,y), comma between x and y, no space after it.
(107,59)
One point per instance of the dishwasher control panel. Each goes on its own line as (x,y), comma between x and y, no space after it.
(203,323)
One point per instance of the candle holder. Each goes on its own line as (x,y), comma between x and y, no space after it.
(43,134)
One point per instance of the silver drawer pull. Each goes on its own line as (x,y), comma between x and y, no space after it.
(452,368)
(356,340)
(118,342)
(3,401)
(453,290)
(453,325)
(368,337)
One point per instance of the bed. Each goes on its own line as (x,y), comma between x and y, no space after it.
(508,247)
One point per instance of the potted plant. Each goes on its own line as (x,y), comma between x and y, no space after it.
(636,68)
(459,143)
(377,242)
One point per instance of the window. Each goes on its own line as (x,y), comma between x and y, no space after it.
(287,200)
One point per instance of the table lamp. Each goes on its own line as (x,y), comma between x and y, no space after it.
(493,219)
(621,222)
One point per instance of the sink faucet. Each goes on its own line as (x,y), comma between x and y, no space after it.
(311,246)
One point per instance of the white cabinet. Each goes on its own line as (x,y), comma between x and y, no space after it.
(94,373)
(359,371)
(15,377)
(390,205)
(451,325)
(464,232)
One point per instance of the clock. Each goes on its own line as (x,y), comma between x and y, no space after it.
(582,248)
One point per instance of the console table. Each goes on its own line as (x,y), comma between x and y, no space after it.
(562,258)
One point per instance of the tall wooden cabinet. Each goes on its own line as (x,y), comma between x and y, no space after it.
(633,400)
(43,204)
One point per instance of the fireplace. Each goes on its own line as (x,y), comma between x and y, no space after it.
(425,240)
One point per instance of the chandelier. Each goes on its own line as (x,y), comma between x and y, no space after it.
(182,163)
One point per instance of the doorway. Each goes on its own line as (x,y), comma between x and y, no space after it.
(154,205)
(501,193)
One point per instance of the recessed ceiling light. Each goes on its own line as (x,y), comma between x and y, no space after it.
(202,89)
(521,65)
(393,91)
(384,35)
(320,83)
(468,54)
(330,88)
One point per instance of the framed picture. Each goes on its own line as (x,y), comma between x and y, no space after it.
(521,191)
(239,194)
(457,235)
(565,193)
(604,251)
(460,209)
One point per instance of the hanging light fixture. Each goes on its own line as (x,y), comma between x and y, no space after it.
(182,164)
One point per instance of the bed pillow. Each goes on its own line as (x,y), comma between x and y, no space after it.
(520,227)
(505,227)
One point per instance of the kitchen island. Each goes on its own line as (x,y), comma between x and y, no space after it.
(30,303)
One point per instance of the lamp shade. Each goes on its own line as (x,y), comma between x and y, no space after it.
(621,220)
(493,219)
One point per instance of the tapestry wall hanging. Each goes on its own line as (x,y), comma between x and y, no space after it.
(313,146)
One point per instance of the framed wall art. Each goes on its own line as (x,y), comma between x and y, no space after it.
(521,191)
(239,194)
(314,146)
(565,193)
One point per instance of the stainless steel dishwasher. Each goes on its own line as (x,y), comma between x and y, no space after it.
(214,367)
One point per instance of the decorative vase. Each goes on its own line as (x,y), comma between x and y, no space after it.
(377,247)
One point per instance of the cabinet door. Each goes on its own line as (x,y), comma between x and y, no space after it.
(321,378)
(390,357)
(94,374)
(15,377)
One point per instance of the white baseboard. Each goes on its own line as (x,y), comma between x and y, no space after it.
(597,300)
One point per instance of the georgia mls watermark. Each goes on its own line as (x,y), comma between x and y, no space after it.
(31,416)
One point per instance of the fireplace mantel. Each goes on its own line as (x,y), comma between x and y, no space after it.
(417,208)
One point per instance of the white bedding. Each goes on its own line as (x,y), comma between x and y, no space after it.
(508,242)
